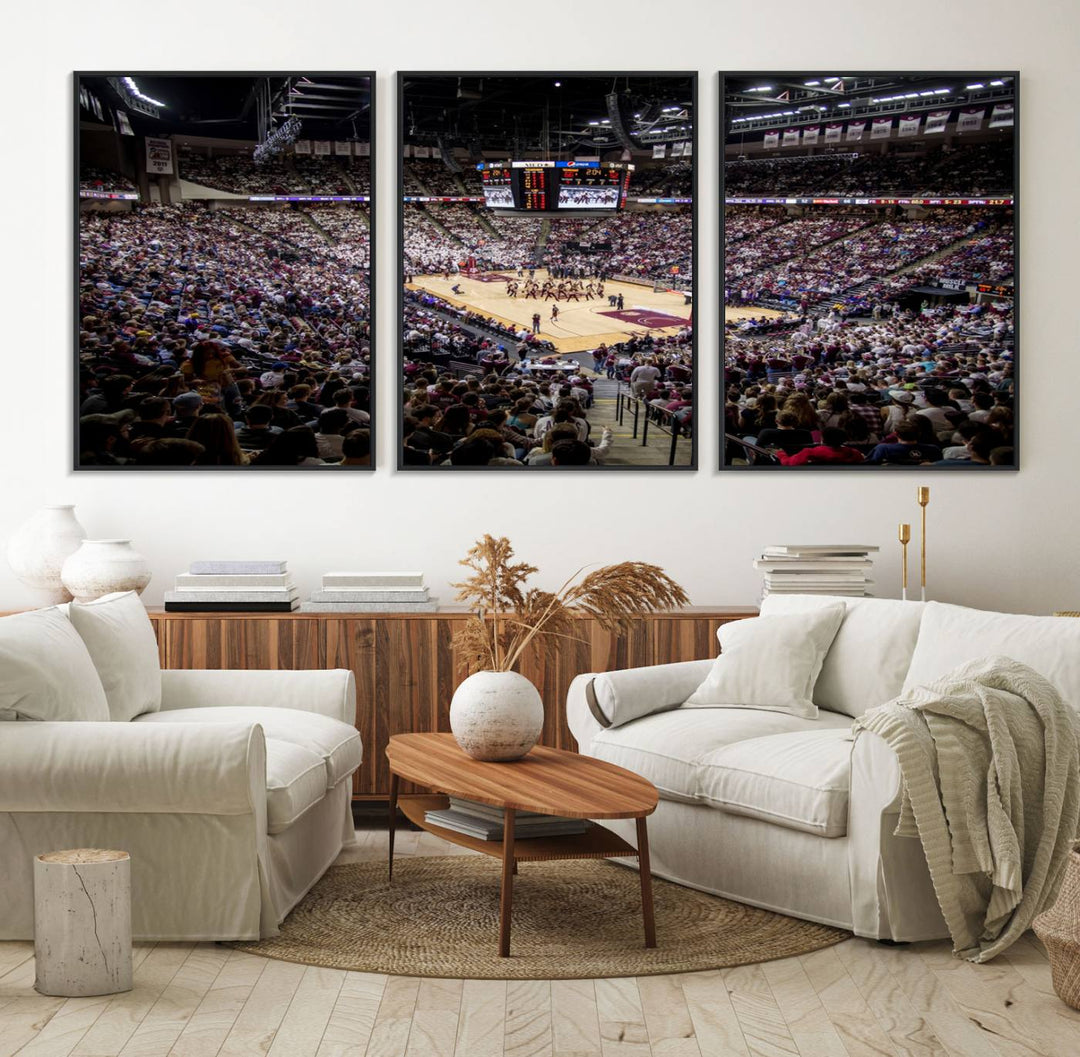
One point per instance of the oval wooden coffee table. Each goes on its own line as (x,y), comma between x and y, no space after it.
(548,781)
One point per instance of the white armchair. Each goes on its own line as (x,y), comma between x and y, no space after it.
(232,799)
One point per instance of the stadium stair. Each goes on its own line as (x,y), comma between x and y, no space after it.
(326,236)
(441,228)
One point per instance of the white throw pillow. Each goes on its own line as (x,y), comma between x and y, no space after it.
(45,670)
(770,663)
(124,649)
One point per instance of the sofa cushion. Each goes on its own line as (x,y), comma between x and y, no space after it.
(336,743)
(953,635)
(669,748)
(770,662)
(628,694)
(870,656)
(799,780)
(295,780)
(121,641)
(45,670)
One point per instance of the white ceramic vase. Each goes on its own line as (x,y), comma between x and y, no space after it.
(37,551)
(100,567)
(496,715)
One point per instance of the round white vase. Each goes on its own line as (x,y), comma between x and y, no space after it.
(100,567)
(496,715)
(37,551)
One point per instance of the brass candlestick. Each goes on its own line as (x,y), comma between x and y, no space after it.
(923,496)
(904,535)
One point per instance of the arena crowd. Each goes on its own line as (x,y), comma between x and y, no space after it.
(232,337)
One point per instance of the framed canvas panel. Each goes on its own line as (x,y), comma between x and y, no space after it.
(547,254)
(870,271)
(224,316)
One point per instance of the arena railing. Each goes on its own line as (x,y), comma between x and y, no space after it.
(643,412)
(754,455)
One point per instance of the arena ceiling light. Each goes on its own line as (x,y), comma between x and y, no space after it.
(972,87)
(811,84)
(133,88)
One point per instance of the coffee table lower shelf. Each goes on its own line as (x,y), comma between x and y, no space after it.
(596,842)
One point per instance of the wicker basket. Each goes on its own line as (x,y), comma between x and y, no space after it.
(1059,929)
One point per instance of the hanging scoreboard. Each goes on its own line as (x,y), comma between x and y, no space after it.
(554,186)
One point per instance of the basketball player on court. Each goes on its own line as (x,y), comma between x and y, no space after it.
(554,314)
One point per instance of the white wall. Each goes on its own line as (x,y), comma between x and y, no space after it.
(1003,541)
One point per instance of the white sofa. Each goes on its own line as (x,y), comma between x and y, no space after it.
(231,790)
(794,814)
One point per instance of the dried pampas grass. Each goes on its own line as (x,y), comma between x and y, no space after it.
(507,615)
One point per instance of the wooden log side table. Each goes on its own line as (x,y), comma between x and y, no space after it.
(547,781)
(82,922)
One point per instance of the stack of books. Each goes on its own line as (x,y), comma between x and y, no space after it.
(486,822)
(234,587)
(817,569)
(371,593)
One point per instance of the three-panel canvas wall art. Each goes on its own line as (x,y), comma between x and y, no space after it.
(548,274)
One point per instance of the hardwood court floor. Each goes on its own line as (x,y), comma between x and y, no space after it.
(857,999)
(580,325)
(733,313)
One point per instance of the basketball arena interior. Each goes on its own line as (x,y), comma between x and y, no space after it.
(547,234)
(224,301)
(869,270)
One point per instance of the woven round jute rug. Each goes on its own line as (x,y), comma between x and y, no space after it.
(571,919)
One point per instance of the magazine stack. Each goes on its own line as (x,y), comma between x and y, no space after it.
(234,587)
(817,569)
(371,593)
(485,822)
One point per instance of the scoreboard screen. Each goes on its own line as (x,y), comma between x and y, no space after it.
(534,190)
(589,188)
(542,186)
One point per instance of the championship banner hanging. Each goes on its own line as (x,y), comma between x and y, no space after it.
(659,150)
(810,136)
(302,146)
(123,123)
(881,128)
(970,120)
(322,147)
(421,152)
(909,125)
(688,148)
(676,150)
(362,150)
(833,133)
(343,146)
(791,137)
(936,122)
(159,156)
(1002,116)
(406,150)
(772,139)
(855,130)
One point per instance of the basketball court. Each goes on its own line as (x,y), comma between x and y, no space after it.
(581,325)
(737,313)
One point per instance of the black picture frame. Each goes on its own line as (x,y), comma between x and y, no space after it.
(77,78)
(403,77)
(800,75)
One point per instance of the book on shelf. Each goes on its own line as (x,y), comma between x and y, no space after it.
(225,594)
(239,568)
(242,581)
(362,579)
(814,549)
(489,829)
(363,594)
(231,607)
(370,607)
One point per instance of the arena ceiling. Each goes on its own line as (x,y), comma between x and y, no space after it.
(779,100)
(330,106)
(552,112)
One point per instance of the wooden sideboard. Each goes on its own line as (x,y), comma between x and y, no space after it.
(406,667)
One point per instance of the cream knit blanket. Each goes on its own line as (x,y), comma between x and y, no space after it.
(990,760)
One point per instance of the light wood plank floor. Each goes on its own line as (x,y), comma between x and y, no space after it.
(856,999)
